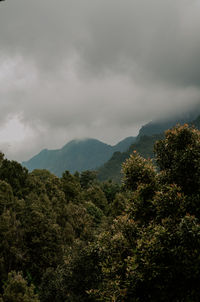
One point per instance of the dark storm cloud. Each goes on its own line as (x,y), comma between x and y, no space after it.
(96,68)
(158,38)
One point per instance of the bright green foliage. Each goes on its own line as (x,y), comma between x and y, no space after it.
(16,289)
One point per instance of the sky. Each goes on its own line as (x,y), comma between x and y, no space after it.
(93,68)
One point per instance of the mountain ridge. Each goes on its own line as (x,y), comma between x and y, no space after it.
(90,153)
(143,145)
(76,155)
(159,126)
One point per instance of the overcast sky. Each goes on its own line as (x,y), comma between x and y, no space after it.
(93,68)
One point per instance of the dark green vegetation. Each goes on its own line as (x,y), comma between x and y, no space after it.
(77,155)
(143,145)
(73,239)
(112,168)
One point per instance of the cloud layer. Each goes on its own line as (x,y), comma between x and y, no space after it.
(94,68)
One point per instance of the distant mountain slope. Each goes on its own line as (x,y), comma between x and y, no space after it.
(112,168)
(196,122)
(143,145)
(156,127)
(90,154)
(124,144)
(77,155)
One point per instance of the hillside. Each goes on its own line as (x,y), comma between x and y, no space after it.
(159,126)
(144,146)
(77,155)
(90,154)
(112,168)
(196,122)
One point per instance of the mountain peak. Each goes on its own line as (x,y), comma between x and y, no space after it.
(76,155)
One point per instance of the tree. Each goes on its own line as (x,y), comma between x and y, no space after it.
(151,251)
(42,236)
(70,186)
(15,175)
(87,178)
(178,157)
(137,170)
(6,196)
(11,244)
(16,289)
(110,190)
(97,196)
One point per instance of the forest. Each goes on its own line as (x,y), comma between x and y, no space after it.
(76,239)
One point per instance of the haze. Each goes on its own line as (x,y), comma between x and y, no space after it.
(93,68)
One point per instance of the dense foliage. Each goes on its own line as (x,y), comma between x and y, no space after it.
(73,239)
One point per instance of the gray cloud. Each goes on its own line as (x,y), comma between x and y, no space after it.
(156,37)
(73,68)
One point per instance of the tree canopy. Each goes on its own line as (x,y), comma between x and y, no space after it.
(76,239)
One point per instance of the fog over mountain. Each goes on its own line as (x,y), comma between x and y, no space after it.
(74,69)
(77,155)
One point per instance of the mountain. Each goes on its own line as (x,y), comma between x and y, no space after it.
(77,155)
(143,145)
(196,122)
(90,154)
(124,144)
(160,126)
(112,168)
